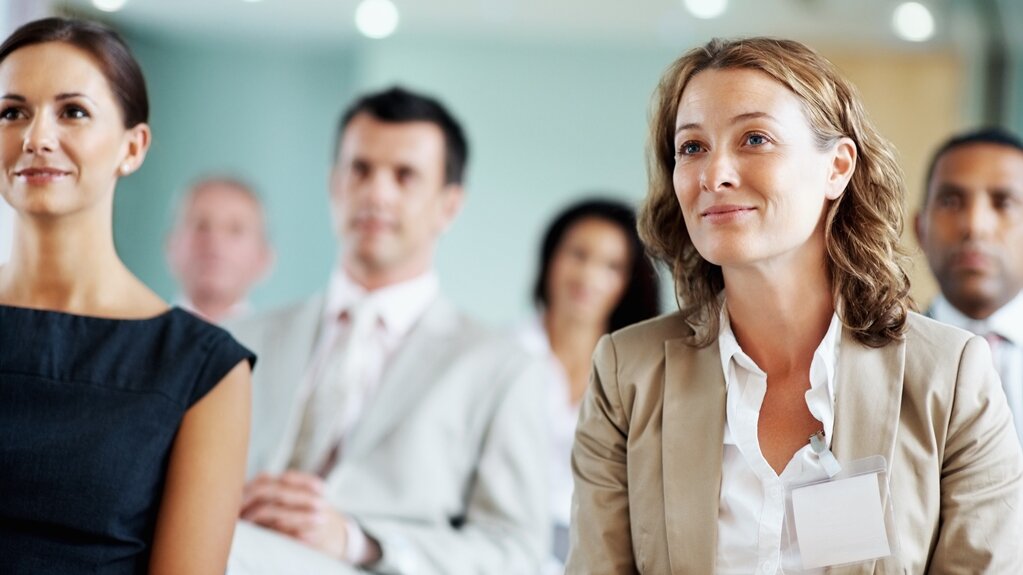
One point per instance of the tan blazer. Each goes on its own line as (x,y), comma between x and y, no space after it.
(445,467)
(648,452)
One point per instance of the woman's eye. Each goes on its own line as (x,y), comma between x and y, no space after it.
(756,139)
(75,112)
(10,114)
(689,148)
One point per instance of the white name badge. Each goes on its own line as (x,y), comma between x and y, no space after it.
(844,519)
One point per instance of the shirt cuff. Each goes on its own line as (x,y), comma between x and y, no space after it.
(358,550)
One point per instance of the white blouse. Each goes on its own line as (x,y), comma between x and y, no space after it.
(751,512)
(562,417)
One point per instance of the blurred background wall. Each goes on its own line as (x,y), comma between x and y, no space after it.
(554,95)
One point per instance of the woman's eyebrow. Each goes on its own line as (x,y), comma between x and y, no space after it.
(735,120)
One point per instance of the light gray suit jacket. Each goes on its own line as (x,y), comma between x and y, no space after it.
(648,452)
(445,466)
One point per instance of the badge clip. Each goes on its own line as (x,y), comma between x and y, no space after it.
(820,446)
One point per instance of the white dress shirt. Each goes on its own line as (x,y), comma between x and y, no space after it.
(399,307)
(1006,350)
(751,513)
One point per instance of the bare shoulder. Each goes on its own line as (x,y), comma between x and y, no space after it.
(239,379)
(227,402)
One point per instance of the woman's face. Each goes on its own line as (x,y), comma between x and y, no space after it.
(62,138)
(749,176)
(588,271)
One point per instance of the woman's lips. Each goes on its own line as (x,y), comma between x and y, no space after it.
(726,213)
(40,176)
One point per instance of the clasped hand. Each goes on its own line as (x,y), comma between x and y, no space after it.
(294,504)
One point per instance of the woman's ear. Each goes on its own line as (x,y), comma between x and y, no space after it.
(843,164)
(138,140)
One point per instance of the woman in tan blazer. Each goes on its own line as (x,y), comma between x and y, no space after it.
(778,207)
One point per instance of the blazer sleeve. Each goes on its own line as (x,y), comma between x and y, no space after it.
(981,477)
(506,528)
(601,536)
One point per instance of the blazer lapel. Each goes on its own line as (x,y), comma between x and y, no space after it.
(693,434)
(296,345)
(419,360)
(868,401)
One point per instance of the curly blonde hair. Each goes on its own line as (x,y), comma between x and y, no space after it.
(862,227)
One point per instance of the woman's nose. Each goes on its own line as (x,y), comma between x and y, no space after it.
(719,172)
(40,135)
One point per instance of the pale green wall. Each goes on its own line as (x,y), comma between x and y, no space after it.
(265,114)
(1016,93)
(546,123)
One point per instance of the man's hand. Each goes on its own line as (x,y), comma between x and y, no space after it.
(293,504)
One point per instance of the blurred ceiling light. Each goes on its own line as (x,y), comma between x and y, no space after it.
(376,18)
(706,9)
(913,22)
(109,5)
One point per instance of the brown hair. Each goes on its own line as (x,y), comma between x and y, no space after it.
(110,52)
(862,227)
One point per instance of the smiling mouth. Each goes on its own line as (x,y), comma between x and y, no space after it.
(40,173)
(725,211)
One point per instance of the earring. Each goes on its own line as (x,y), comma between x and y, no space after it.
(125,169)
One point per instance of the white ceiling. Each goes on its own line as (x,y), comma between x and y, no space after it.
(863,23)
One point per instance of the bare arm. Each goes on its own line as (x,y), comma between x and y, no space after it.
(204,481)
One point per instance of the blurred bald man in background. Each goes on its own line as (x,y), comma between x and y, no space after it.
(218,248)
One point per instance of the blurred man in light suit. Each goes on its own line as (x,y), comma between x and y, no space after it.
(971,229)
(390,433)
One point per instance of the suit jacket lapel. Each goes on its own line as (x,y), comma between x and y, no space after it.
(868,401)
(693,435)
(418,361)
(295,346)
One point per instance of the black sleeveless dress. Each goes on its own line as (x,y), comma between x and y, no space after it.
(89,408)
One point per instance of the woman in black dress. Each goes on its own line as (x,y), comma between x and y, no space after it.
(123,422)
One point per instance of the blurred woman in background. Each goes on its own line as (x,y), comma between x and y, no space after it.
(593,278)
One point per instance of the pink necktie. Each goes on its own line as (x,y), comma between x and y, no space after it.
(995,342)
(337,393)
